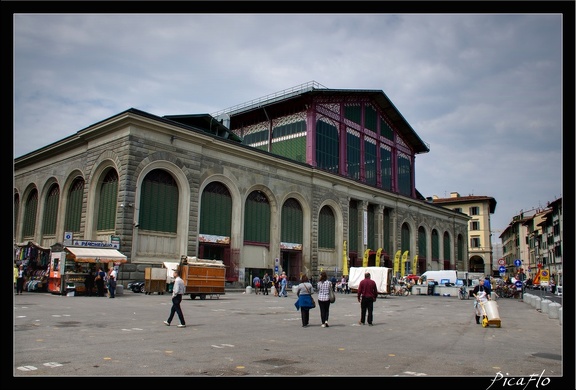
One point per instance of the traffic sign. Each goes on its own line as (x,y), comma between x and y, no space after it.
(517,263)
(501,262)
(518,284)
(502,269)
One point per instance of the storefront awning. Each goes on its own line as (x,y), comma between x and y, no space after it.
(96,255)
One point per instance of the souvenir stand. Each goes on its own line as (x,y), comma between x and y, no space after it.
(35,260)
(70,265)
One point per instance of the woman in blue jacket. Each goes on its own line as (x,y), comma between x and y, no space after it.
(305,302)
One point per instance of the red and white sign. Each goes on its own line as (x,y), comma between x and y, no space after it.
(501,262)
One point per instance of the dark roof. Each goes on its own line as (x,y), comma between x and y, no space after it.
(205,122)
(468,199)
(276,105)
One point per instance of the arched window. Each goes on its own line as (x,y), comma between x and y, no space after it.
(327,228)
(74,206)
(405,237)
(159,202)
(51,210)
(108,201)
(257,218)
(16,211)
(435,246)
(292,222)
(30,214)
(422,243)
(447,251)
(216,210)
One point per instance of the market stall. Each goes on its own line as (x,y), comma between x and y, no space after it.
(70,267)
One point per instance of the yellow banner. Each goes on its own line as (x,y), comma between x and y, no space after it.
(397,262)
(365,259)
(345,261)
(415,265)
(378,254)
(404,260)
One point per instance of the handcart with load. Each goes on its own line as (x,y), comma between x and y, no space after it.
(491,315)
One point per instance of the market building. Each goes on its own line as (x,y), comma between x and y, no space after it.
(304,180)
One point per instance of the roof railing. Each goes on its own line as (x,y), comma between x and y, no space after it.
(309,86)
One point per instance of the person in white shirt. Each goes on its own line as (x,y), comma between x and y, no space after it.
(178,291)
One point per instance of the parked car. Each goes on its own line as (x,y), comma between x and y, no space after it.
(136,286)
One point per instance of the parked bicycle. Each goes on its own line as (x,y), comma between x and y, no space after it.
(401,290)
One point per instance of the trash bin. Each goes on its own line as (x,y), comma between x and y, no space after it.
(70,290)
(431,286)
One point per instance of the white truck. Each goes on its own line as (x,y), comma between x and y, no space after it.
(441,277)
(381,275)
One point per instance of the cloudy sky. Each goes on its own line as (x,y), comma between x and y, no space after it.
(483,90)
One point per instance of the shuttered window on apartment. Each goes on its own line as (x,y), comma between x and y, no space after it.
(108,204)
(74,206)
(159,202)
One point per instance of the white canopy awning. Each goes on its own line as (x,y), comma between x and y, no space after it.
(96,255)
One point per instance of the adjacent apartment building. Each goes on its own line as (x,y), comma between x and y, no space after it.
(479,209)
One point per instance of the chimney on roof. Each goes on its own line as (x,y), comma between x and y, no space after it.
(435,197)
(429,199)
(454,195)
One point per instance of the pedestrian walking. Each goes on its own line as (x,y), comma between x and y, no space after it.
(367,293)
(178,291)
(20,280)
(256,283)
(265,283)
(324,286)
(305,302)
(283,285)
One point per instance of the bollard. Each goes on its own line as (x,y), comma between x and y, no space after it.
(248,289)
(554,310)
(295,289)
(536,302)
(560,315)
(544,305)
(528,298)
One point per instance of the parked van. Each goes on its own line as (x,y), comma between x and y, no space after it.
(442,277)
